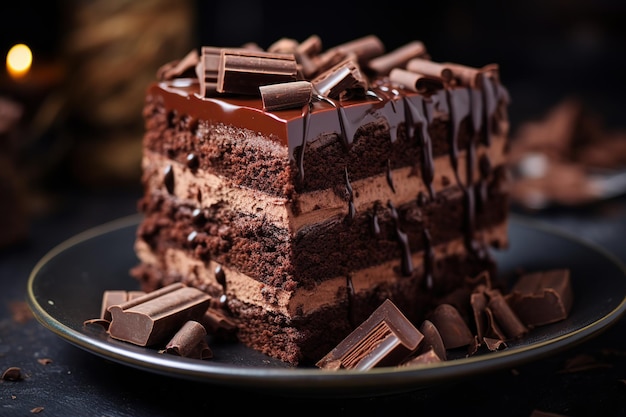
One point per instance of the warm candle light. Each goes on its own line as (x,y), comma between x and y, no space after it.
(19,60)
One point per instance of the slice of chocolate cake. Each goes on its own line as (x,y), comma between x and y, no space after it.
(303,187)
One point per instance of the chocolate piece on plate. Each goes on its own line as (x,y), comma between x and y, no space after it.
(386,338)
(542,297)
(156,316)
(190,342)
(452,328)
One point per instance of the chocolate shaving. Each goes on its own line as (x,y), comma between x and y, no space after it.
(154,317)
(398,58)
(190,342)
(413,81)
(286,95)
(242,71)
(386,338)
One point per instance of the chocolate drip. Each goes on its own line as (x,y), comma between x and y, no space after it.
(345,138)
(429,261)
(192,161)
(453,134)
(389,177)
(306,117)
(489,94)
(350,289)
(403,240)
(428,169)
(168,179)
(351,208)
(484,165)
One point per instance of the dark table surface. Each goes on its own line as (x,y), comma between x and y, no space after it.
(78,383)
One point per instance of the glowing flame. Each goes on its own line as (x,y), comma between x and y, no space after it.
(19,60)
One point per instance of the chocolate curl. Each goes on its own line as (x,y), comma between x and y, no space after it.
(305,53)
(386,338)
(505,316)
(283,46)
(470,76)
(413,81)
(286,95)
(343,78)
(178,68)
(432,340)
(397,58)
(190,342)
(478,301)
(242,71)
(153,318)
(364,48)
(208,68)
(431,69)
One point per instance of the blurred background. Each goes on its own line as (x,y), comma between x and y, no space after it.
(71,122)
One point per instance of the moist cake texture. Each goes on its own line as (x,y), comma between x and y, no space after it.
(381,175)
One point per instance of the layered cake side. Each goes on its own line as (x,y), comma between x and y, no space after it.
(306,218)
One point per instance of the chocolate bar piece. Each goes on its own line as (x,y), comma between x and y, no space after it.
(242,71)
(386,338)
(542,297)
(116,297)
(154,317)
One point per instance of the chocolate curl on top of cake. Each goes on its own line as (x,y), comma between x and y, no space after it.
(181,68)
(397,58)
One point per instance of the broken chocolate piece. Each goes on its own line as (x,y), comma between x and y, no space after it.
(382,65)
(190,342)
(432,340)
(154,317)
(341,79)
(242,71)
(542,297)
(507,320)
(452,328)
(386,338)
(286,95)
(428,356)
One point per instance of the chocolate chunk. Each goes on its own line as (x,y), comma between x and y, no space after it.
(452,328)
(242,71)
(386,338)
(428,356)
(432,340)
(286,95)
(154,317)
(542,297)
(340,80)
(190,342)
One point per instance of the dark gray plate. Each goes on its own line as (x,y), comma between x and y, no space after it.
(65,288)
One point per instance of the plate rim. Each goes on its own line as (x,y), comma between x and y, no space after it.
(314,380)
